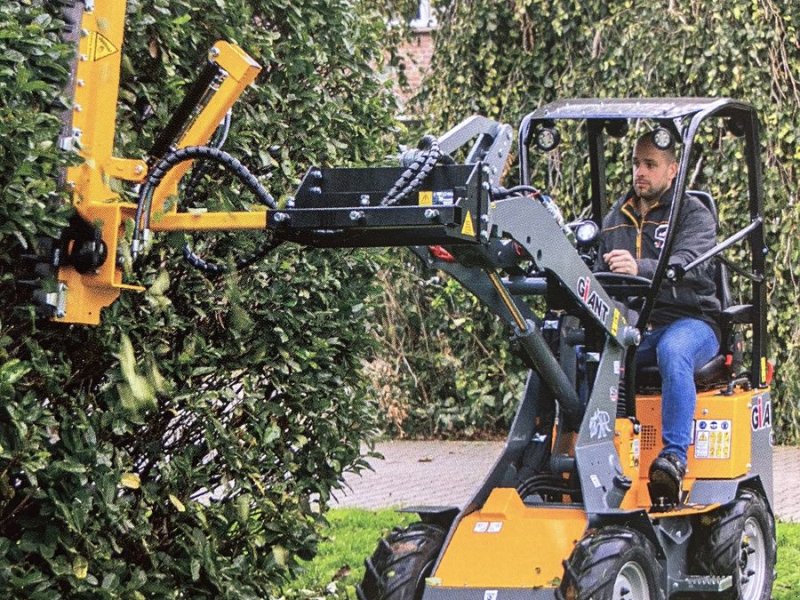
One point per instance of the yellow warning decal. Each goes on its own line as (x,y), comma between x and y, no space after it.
(99,46)
(615,322)
(426,198)
(468,228)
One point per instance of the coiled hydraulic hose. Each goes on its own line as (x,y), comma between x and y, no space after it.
(172,160)
(411,179)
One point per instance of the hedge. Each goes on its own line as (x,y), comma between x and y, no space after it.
(188,446)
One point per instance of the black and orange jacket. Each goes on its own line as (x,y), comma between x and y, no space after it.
(644,235)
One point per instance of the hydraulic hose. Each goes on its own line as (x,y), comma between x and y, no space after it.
(172,160)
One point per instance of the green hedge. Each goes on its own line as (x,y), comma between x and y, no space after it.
(186,447)
(504,59)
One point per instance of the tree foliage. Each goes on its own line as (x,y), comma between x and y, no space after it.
(187,447)
(504,59)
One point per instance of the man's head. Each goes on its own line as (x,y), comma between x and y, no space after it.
(653,168)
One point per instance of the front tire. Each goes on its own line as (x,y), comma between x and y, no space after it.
(612,563)
(739,540)
(401,562)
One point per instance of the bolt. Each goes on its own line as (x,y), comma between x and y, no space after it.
(77,108)
(290,202)
(364,199)
(80,83)
(484,218)
(500,152)
(138,169)
(213,53)
(84,58)
(281,217)
(486,186)
(431,213)
(485,236)
(84,32)
(357,215)
(486,170)
(494,170)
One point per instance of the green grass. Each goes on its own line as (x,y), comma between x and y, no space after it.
(787,586)
(353,534)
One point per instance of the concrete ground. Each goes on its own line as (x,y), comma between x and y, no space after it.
(447,473)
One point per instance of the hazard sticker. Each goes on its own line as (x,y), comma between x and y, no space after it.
(712,439)
(99,46)
(468,228)
(426,198)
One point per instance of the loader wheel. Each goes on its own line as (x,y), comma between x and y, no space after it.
(740,541)
(401,562)
(612,563)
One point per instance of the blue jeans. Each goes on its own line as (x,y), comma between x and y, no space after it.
(679,349)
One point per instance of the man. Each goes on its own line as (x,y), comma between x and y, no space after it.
(682,333)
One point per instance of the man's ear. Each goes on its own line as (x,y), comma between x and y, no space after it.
(672,170)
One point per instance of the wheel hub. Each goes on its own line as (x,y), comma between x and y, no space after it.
(631,583)
(752,560)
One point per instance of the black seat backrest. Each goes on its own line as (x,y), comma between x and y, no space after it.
(721,277)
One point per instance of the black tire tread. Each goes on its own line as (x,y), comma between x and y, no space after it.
(717,551)
(400,563)
(590,569)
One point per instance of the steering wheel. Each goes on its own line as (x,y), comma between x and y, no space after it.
(622,285)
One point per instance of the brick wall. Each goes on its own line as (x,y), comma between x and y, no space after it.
(416,56)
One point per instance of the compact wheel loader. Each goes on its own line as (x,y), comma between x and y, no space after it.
(566,511)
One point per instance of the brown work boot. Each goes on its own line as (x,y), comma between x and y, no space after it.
(666,475)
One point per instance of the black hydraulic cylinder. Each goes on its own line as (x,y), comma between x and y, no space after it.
(185,111)
(543,361)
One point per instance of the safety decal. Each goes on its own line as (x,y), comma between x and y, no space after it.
(468,228)
(488,527)
(613,393)
(761,412)
(99,46)
(636,451)
(615,322)
(599,425)
(712,439)
(595,303)
(426,198)
(490,595)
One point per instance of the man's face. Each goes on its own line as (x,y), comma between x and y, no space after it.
(653,171)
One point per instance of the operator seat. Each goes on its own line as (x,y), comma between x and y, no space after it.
(724,367)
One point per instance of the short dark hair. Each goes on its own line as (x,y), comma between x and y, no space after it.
(646,139)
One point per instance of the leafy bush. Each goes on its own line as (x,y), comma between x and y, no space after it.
(187,446)
(506,59)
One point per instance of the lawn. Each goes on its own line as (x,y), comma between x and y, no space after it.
(353,534)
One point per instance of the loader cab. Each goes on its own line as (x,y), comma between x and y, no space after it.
(581,150)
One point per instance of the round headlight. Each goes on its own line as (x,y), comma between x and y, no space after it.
(547,139)
(586,233)
(662,138)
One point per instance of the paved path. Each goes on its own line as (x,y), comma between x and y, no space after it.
(447,473)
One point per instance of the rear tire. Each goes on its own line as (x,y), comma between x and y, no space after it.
(739,540)
(612,563)
(401,562)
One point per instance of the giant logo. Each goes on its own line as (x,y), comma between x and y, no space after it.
(761,412)
(595,303)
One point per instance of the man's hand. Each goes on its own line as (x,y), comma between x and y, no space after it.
(621,261)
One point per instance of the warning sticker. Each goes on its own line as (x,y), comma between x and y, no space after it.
(468,228)
(99,46)
(712,439)
(426,198)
